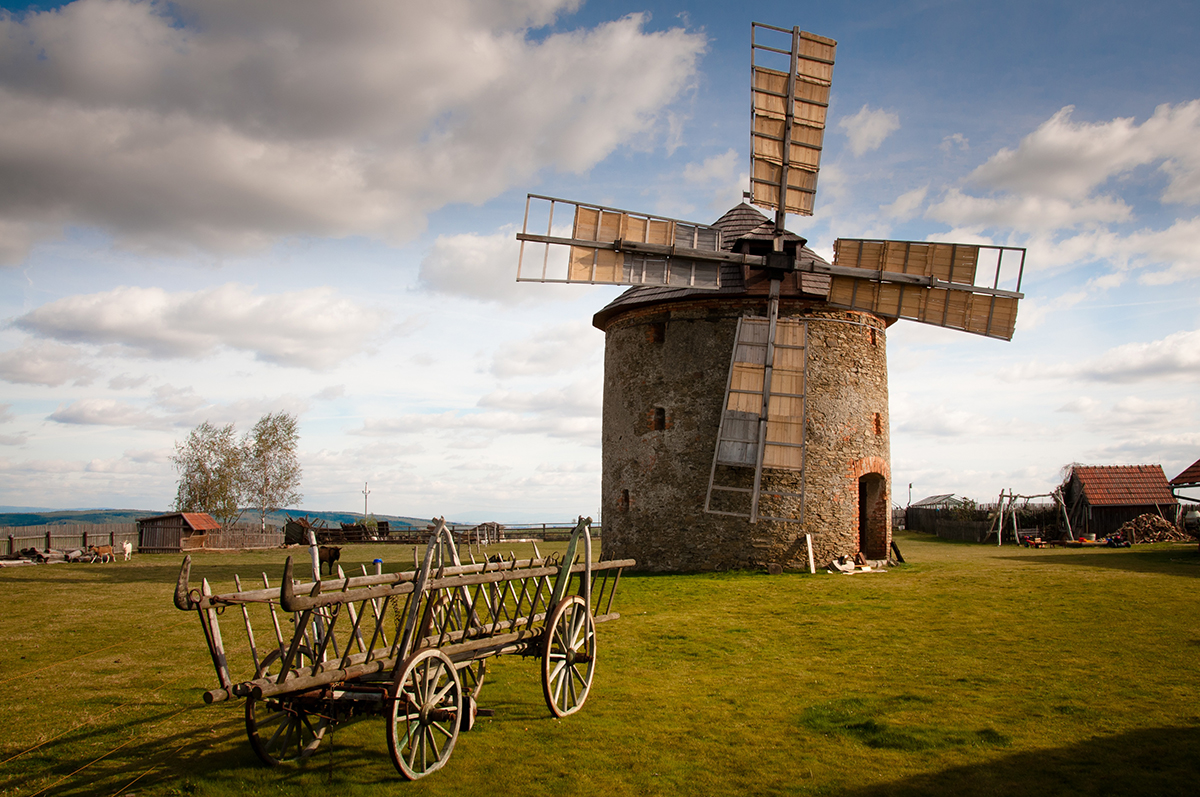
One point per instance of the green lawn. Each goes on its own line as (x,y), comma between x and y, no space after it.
(970,670)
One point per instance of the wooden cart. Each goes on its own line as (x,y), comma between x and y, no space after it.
(408,646)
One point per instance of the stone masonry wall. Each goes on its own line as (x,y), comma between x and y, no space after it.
(665,373)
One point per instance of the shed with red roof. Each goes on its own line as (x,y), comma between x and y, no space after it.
(1102,497)
(175,532)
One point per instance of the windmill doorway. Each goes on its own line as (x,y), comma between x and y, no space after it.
(872,516)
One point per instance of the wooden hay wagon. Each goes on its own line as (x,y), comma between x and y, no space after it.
(410,647)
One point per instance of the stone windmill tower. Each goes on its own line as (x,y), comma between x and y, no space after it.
(745,377)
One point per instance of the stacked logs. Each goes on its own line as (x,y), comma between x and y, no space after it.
(1151,528)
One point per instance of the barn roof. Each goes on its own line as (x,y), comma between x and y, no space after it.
(739,223)
(197,521)
(1190,476)
(936,501)
(1124,485)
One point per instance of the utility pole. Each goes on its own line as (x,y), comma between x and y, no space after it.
(365,493)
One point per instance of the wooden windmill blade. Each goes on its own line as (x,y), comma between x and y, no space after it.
(943,284)
(788,110)
(567,241)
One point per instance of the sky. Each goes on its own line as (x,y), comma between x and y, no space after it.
(211,211)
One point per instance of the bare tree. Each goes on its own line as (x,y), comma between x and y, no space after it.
(210,464)
(271,470)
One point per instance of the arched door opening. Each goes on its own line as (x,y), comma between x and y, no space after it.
(872,516)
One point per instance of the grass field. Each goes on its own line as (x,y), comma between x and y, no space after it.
(971,670)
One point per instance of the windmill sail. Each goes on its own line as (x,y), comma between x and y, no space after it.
(762,423)
(607,246)
(789,108)
(943,284)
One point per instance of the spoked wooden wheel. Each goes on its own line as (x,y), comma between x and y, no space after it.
(425,715)
(284,730)
(568,656)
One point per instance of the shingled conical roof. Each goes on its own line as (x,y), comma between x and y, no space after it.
(744,223)
(738,224)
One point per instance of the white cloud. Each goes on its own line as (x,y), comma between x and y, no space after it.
(571,412)
(578,400)
(172,408)
(5,413)
(867,129)
(107,412)
(470,427)
(953,141)
(176,399)
(1025,211)
(225,126)
(330,393)
(301,328)
(482,267)
(44,363)
(722,179)
(1067,160)
(907,204)
(940,421)
(127,382)
(1177,355)
(564,347)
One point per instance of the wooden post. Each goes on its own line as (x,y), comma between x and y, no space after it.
(48,545)
(812,567)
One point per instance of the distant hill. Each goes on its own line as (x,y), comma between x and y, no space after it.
(277,518)
(69,516)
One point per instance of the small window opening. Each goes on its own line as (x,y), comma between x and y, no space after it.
(658,332)
(623,501)
(873,343)
(878,424)
(660,419)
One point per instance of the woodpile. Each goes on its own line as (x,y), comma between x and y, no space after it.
(1151,528)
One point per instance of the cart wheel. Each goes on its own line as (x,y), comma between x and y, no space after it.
(568,656)
(425,714)
(283,730)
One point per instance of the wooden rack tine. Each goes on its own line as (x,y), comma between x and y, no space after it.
(237,583)
(274,617)
(216,646)
(353,613)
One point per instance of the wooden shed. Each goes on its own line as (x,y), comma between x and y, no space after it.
(1102,497)
(178,531)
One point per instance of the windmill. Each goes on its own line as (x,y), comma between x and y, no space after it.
(780,381)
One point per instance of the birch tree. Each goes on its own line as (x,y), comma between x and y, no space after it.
(271,473)
(222,475)
(210,463)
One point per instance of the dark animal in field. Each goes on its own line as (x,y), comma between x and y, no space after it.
(102,552)
(328,555)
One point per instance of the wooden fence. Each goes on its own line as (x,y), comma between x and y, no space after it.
(63,537)
(241,537)
(66,537)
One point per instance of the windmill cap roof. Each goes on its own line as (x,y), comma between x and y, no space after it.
(740,223)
